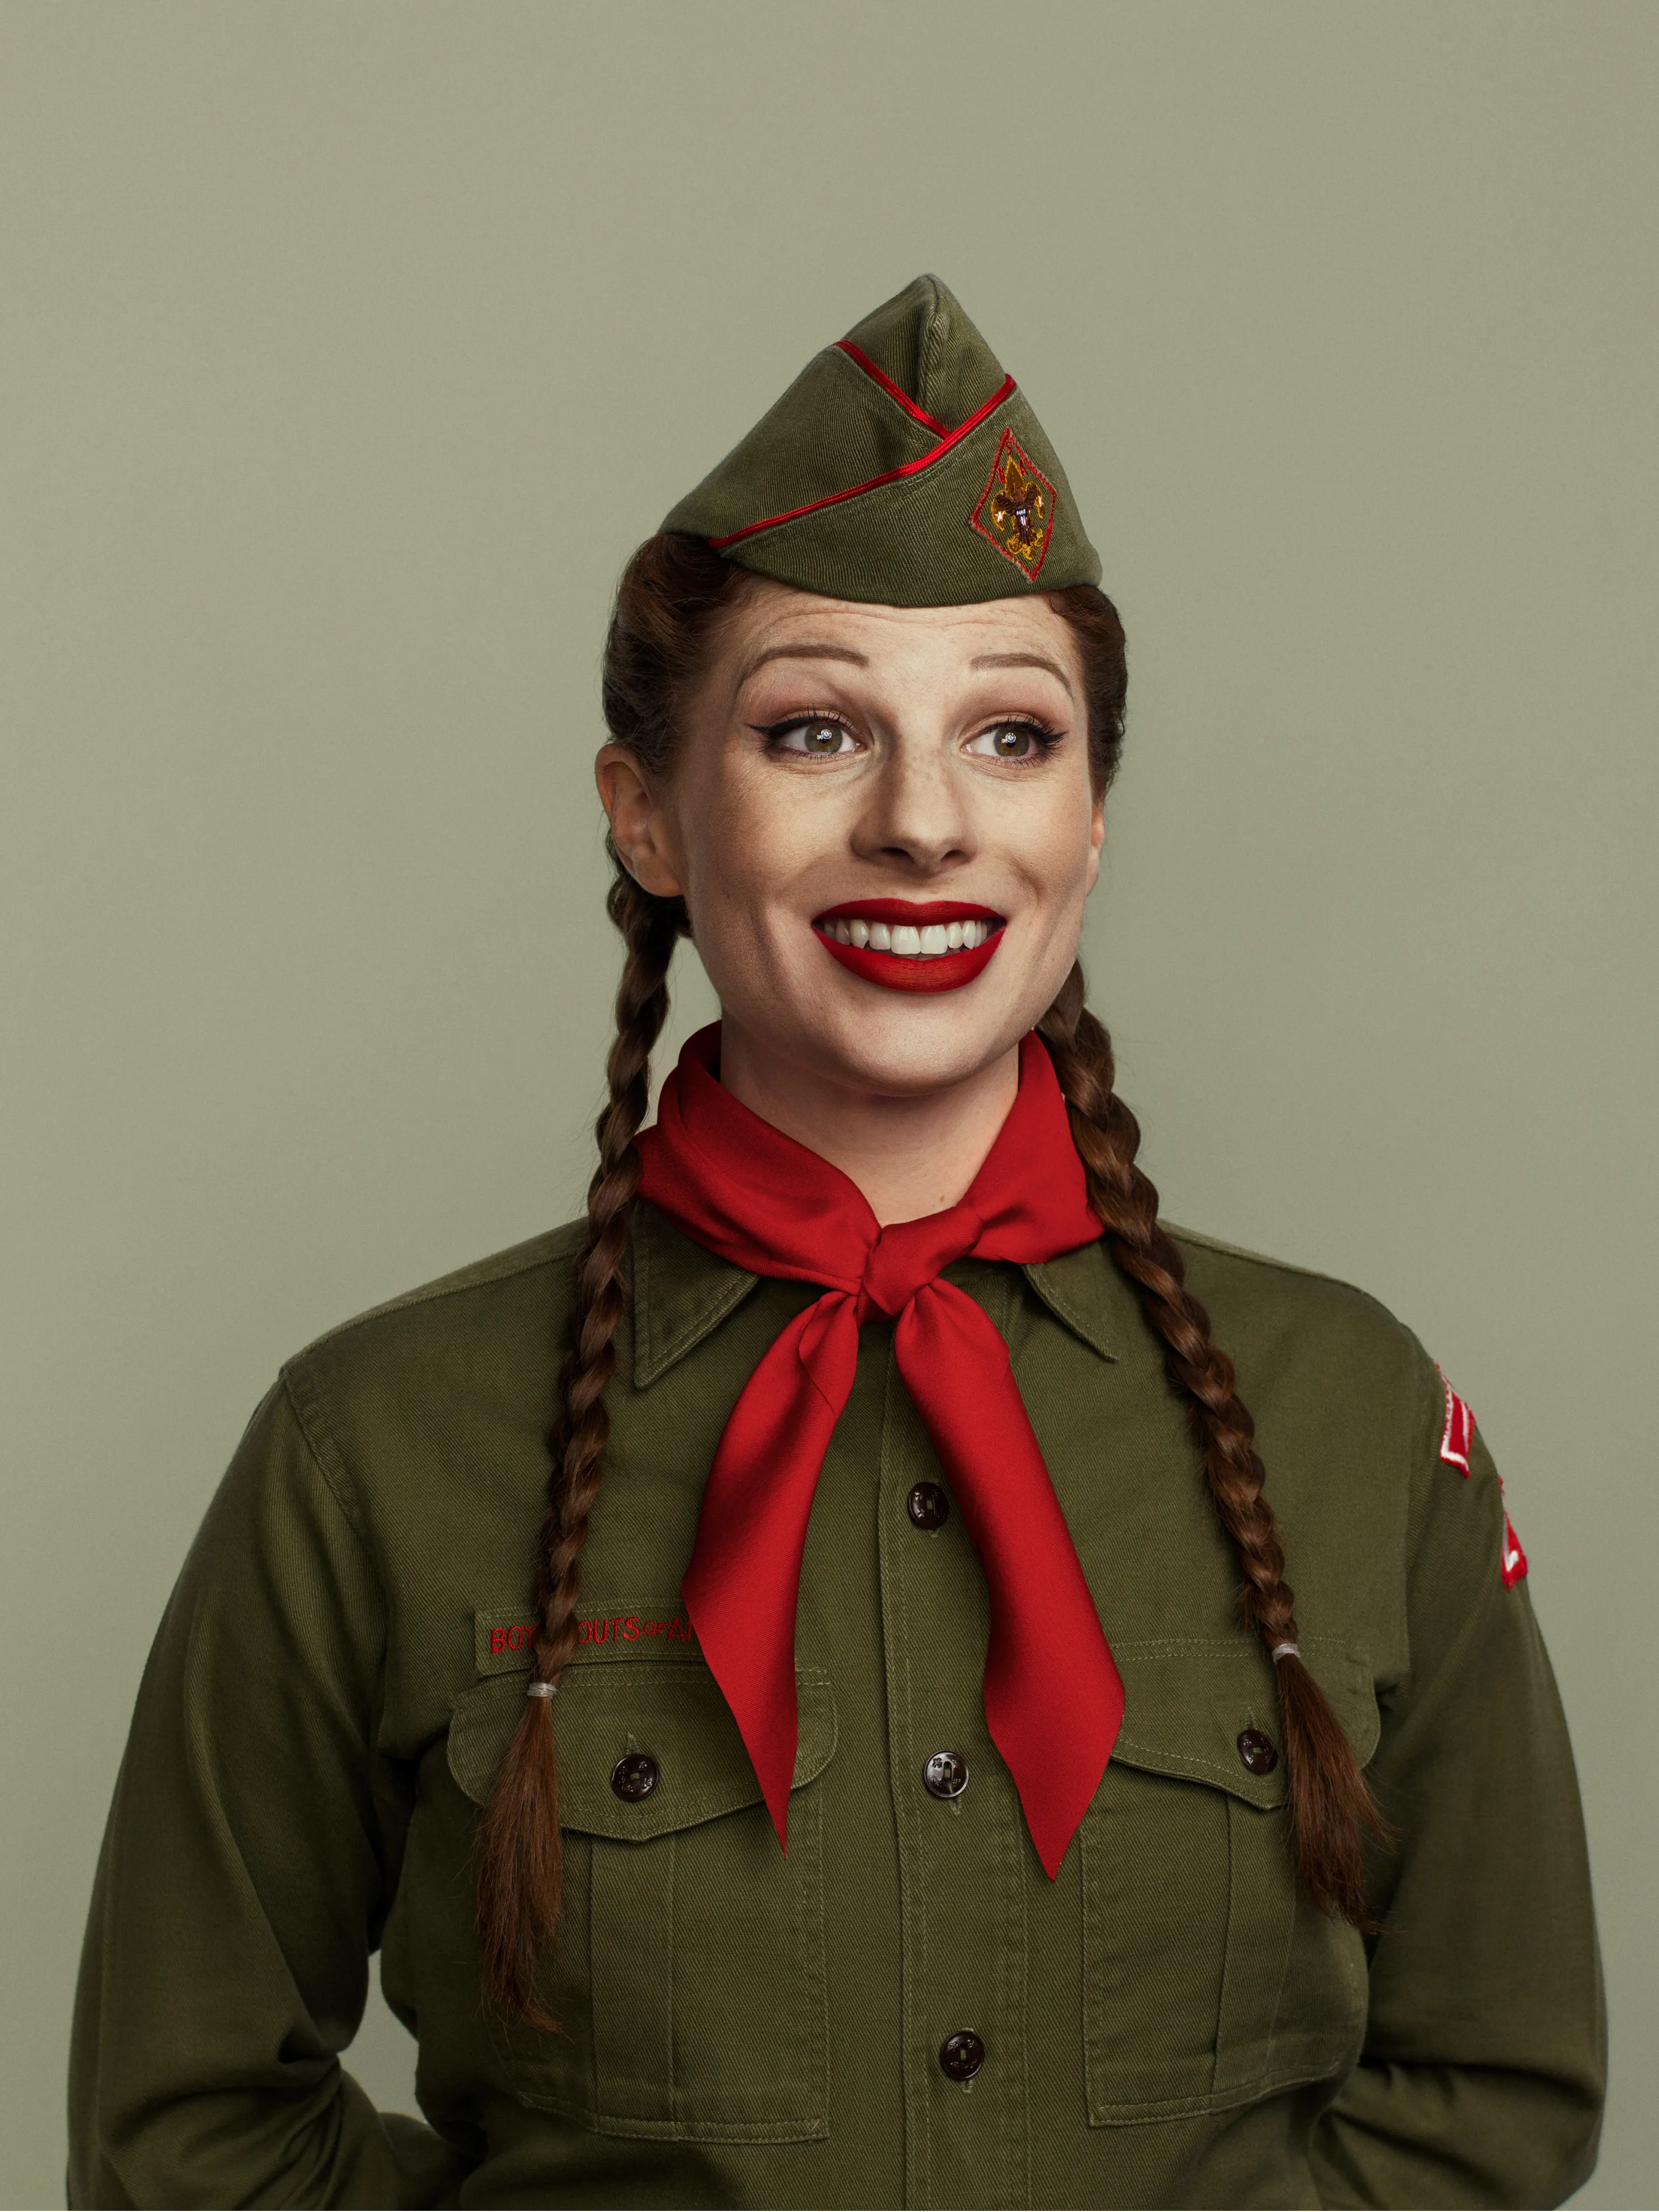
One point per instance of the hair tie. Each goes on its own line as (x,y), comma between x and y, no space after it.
(543,1689)
(1287,1651)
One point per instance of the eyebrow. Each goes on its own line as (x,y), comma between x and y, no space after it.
(1023,660)
(804,652)
(810,652)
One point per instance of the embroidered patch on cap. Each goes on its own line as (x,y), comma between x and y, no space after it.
(1016,509)
(502,1642)
(1459,1432)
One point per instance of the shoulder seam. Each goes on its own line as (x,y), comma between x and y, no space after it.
(325,1454)
(1173,1229)
(1183,1236)
(518,1260)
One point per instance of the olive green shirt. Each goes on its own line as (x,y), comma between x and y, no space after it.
(1167,2023)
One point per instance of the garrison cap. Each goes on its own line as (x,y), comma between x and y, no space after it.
(902,467)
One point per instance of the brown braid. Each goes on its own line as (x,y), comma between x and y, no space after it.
(1331,1804)
(519,1850)
(1329,1799)
(670,600)
(667,614)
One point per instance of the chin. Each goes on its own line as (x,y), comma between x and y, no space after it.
(902,1047)
(892,1043)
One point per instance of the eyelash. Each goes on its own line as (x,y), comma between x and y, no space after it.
(1047,736)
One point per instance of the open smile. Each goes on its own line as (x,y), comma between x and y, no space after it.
(905,945)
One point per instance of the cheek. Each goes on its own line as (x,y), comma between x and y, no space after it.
(743,850)
(1054,849)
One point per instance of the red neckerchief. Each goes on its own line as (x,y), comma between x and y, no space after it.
(1053,1697)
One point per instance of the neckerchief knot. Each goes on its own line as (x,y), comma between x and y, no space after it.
(1053,1700)
(909,1255)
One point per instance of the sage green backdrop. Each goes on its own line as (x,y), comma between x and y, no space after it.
(347,352)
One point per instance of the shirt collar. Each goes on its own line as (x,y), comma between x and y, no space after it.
(1085,1292)
(683,1292)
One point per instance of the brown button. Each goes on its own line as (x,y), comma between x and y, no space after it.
(1258,1752)
(945,1774)
(634,1776)
(961,2055)
(929,1506)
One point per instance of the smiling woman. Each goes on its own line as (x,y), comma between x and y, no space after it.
(859,781)
(798,1672)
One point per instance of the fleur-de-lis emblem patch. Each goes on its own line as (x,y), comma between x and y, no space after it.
(1016,509)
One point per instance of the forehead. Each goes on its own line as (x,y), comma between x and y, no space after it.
(773,621)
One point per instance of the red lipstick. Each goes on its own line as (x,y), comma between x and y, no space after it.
(900,971)
(916,912)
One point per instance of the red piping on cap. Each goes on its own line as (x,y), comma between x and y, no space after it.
(893,391)
(888,476)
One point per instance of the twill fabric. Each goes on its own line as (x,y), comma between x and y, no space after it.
(1054,1700)
(903,467)
(1171,2021)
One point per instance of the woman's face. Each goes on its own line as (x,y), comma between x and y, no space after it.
(881,821)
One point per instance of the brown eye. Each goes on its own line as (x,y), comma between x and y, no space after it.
(819,739)
(1007,741)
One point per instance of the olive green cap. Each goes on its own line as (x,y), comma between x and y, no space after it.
(903,465)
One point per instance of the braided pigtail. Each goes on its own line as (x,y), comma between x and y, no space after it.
(1330,1800)
(519,1860)
(670,602)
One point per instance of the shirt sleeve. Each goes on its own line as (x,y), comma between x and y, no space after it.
(251,1858)
(1483,2073)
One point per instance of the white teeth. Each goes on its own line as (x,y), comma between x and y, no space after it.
(910,942)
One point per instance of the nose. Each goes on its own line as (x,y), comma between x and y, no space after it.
(915,815)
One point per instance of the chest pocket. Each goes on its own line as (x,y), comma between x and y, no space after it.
(1208,1979)
(688,1975)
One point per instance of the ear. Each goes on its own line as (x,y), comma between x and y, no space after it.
(1096,840)
(639,823)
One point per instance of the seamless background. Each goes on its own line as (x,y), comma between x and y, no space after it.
(346,352)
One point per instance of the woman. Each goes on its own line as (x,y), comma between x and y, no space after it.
(881,1759)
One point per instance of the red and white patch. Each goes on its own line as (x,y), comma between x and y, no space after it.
(1459,1432)
(1513,1561)
(1455,1441)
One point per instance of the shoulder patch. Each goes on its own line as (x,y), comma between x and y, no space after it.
(1455,1441)
(1513,1560)
(1459,1432)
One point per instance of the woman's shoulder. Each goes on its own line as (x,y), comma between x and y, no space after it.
(476,1295)
(1268,1311)
(423,1378)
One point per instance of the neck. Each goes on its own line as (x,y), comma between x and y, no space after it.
(910,1155)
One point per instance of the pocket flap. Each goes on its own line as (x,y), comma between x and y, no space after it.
(675,1712)
(1187,1700)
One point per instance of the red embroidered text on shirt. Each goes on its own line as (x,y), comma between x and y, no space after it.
(620,1628)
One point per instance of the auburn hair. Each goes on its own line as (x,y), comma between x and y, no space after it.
(664,629)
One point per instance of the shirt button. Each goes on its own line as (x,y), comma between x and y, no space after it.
(945,1775)
(1257,1752)
(634,1776)
(929,1507)
(961,2055)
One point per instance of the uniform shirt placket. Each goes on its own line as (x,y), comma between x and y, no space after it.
(961,1842)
